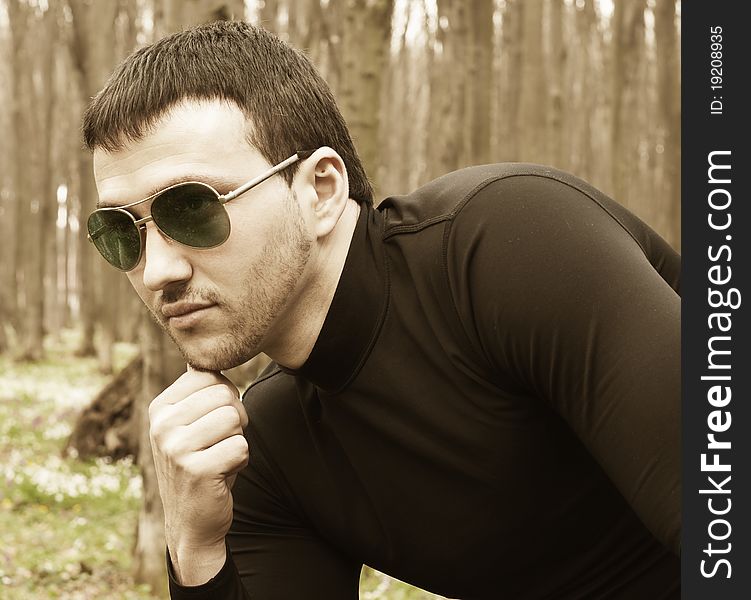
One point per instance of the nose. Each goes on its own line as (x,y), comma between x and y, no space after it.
(165,262)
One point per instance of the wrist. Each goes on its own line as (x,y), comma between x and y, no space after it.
(196,564)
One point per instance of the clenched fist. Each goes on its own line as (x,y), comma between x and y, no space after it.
(198,446)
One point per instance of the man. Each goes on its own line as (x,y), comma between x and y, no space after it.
(477,385)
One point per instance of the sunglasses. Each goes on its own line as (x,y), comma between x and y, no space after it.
(190,213)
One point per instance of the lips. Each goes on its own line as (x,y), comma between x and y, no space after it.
(179,309)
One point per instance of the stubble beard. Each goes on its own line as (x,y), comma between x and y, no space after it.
(268,285)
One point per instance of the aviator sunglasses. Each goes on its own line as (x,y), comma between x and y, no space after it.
(190,213)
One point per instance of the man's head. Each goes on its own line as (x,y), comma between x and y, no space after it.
(222,305)
(287,105)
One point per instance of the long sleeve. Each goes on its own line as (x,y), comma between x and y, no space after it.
(272,553)
(225,584)
(569,296)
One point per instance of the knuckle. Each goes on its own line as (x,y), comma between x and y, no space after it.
(241,446)
(229,415)
(154,408)
(173,449)
(243,414)
(156,432)
(159,427)
(184,462)
(224,393)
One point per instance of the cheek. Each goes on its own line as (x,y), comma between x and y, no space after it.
(246,238)
(136,281)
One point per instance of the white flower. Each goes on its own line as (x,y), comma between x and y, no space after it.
(135,487)
(58,431)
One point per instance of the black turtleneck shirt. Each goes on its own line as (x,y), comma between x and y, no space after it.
(491,410)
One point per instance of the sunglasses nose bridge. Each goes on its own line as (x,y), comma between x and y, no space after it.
(142,222)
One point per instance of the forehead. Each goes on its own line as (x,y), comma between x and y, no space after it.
(203,141)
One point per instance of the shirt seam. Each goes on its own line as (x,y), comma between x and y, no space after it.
(275,371)
(451,216)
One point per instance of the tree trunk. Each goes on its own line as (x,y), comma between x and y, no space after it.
(267,15)
(86,256)
(587,70)
(628,41)
(511,69)
(558,58)
(481,81)
(182,14)
(668,86)
(532,95)
(107,426)
(39,221)
(93,54)
(448,83)
(162,364)
(20,95)
(366,34)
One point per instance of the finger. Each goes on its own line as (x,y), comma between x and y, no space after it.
(225,458)
(226,394)
(201,403)
(189,382)
(219,424)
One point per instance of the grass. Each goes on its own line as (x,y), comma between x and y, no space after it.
(68,525)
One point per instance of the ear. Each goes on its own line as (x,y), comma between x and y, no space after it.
(326,188)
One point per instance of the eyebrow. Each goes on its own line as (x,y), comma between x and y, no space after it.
(220,185)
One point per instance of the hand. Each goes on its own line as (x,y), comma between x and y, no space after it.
(198,447)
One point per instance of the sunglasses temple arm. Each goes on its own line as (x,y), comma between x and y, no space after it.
(301,155)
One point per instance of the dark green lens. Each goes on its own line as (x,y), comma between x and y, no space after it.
(192,215)
(116,236)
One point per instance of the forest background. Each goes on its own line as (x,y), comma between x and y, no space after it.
(427,87)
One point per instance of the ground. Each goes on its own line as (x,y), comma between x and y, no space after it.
(68,525)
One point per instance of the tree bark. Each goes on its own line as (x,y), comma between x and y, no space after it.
(511,69)
(93,57)
(182,14)
(366,35)
(39,222)
(107,427)
(557,93)
(587,70)
(20,95)
(532,95)
(628,41)
(481,81)
(448,83)
(668,87)
(162,364)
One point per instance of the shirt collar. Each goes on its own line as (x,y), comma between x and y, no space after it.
(356,312)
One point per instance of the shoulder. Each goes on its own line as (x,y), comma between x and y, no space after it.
(504,184)
(272,399)
(521,203)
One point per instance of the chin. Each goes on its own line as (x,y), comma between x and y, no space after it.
(203,365)
(216,354)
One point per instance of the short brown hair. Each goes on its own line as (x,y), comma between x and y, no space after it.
(288,104)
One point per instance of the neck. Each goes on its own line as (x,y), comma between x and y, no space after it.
(292,337)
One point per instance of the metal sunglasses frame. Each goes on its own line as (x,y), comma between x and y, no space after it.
(223,199)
